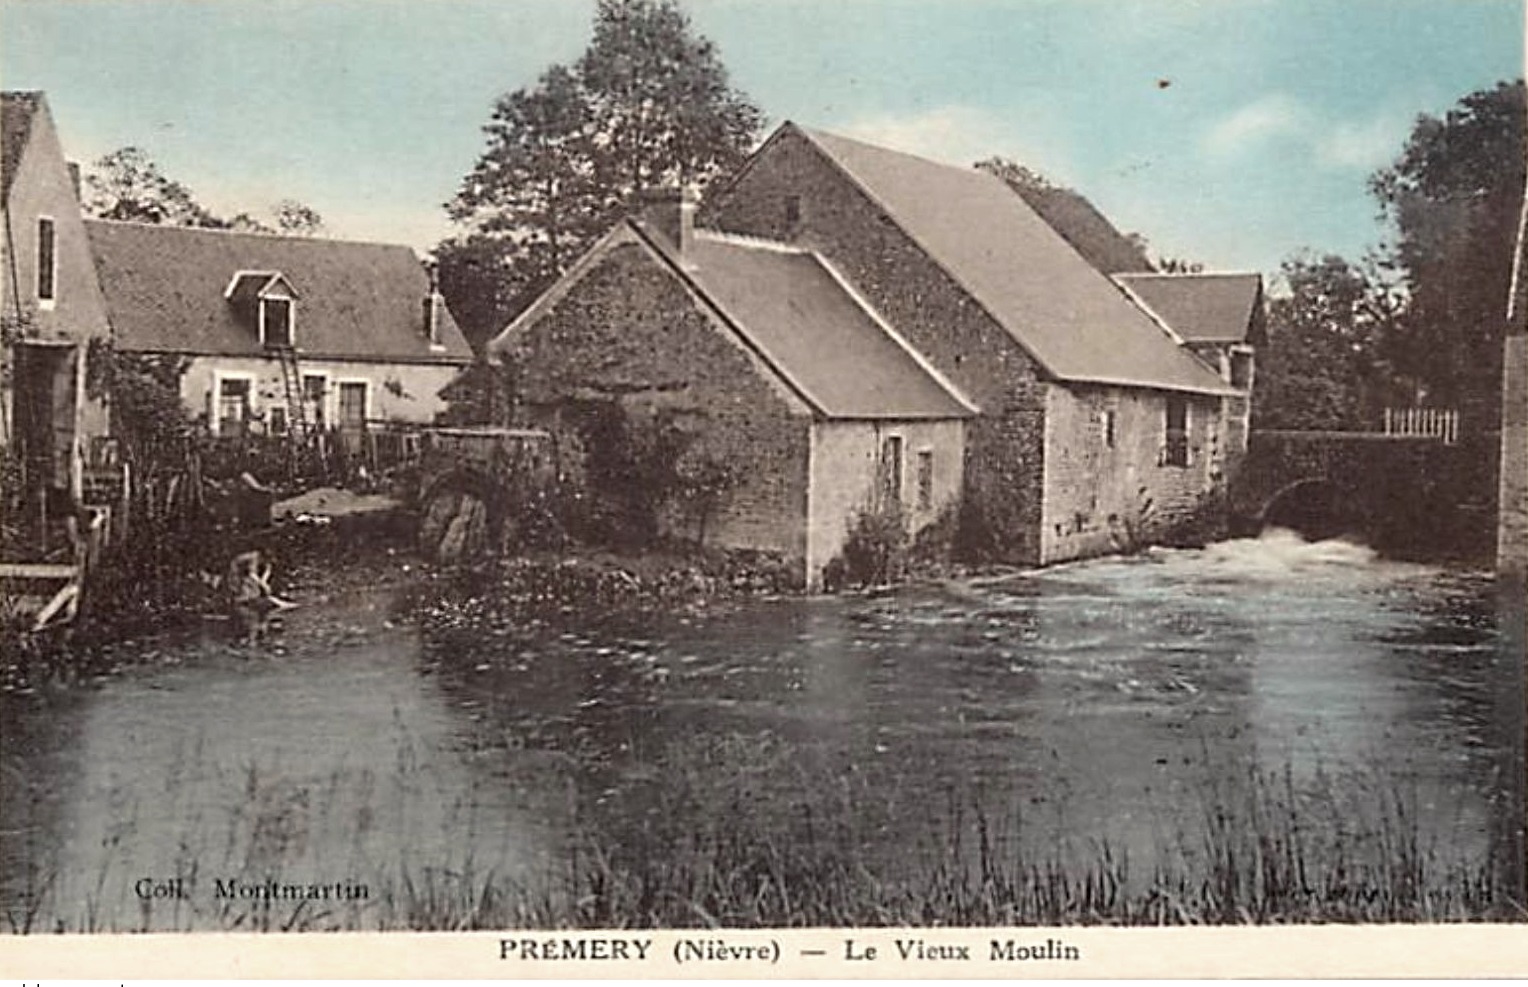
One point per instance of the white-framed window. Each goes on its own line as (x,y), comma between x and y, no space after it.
(315,399)
(925,479)
(354,404)
(47,262)
(278,321)
(233,403)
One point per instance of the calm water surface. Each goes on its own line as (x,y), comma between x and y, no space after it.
(1107,702)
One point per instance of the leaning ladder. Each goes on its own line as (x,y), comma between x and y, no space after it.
(291,379)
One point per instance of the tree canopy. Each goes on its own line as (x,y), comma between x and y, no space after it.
(648,104)
(1324,365)
(1453,197)
(128,185)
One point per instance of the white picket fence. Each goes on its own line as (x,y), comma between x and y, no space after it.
(1423,423)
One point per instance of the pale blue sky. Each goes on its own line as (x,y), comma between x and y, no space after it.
(369,110)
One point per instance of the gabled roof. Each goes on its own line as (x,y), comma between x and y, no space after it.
(1077,323)
(1088,231)
(1201,308)
(17,110)
(166,288)
(798,316)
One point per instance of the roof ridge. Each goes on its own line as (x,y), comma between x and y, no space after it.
(176,228)
(746,240)
(1185,275)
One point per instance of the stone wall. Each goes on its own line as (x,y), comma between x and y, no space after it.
(846,462)
(1001,513)
(1103,496)
(630,333)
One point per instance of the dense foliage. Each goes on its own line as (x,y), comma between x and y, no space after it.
(648,104)
(1422,322)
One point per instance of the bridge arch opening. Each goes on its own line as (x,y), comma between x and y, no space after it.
(1315,507)
(460,516)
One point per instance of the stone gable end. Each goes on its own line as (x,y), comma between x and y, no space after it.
(630,332)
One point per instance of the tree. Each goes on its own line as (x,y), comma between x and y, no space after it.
(128,185)
(297,219)
(1323,367)
(647,104)
(1453,197)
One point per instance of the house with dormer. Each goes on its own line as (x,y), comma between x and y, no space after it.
(281,333)
(50,304)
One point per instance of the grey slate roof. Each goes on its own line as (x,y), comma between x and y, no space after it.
(815,333)
(16,112)
(1077,323)
(1201,308)
(165,286)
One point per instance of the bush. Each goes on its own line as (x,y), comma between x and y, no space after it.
(874,554)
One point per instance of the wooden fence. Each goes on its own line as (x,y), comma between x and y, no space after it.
(1423,423)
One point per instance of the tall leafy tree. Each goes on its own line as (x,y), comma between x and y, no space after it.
(1324,365)
(1453,197)
(648,104)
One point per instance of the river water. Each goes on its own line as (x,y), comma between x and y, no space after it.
(1103,708)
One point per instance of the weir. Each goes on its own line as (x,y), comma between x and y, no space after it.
(1410,495)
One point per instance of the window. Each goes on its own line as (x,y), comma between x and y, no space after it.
(1109,427)
(47,261)
(792,211)
(891,471)
(1177,432)
(276,322)
(353,404)
(232,405)
(1241,368)
(278,421)
(925,479)
(314,389)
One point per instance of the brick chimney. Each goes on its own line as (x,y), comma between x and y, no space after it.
(432,304)
(670,212)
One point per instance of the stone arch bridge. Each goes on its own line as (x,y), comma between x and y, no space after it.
(1405,495)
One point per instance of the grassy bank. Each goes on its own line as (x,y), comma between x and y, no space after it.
(694,847)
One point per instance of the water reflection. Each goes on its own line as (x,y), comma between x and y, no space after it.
(1103,701)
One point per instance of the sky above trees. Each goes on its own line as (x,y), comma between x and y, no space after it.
(1228,131)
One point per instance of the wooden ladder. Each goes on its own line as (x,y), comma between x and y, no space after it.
(291,379)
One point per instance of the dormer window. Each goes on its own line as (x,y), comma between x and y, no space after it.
(268,303)
(276,322)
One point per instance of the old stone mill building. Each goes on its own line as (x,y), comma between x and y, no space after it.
(862,329)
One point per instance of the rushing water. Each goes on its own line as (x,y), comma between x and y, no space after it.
(1107,703)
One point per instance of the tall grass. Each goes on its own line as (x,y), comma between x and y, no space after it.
(695,843)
